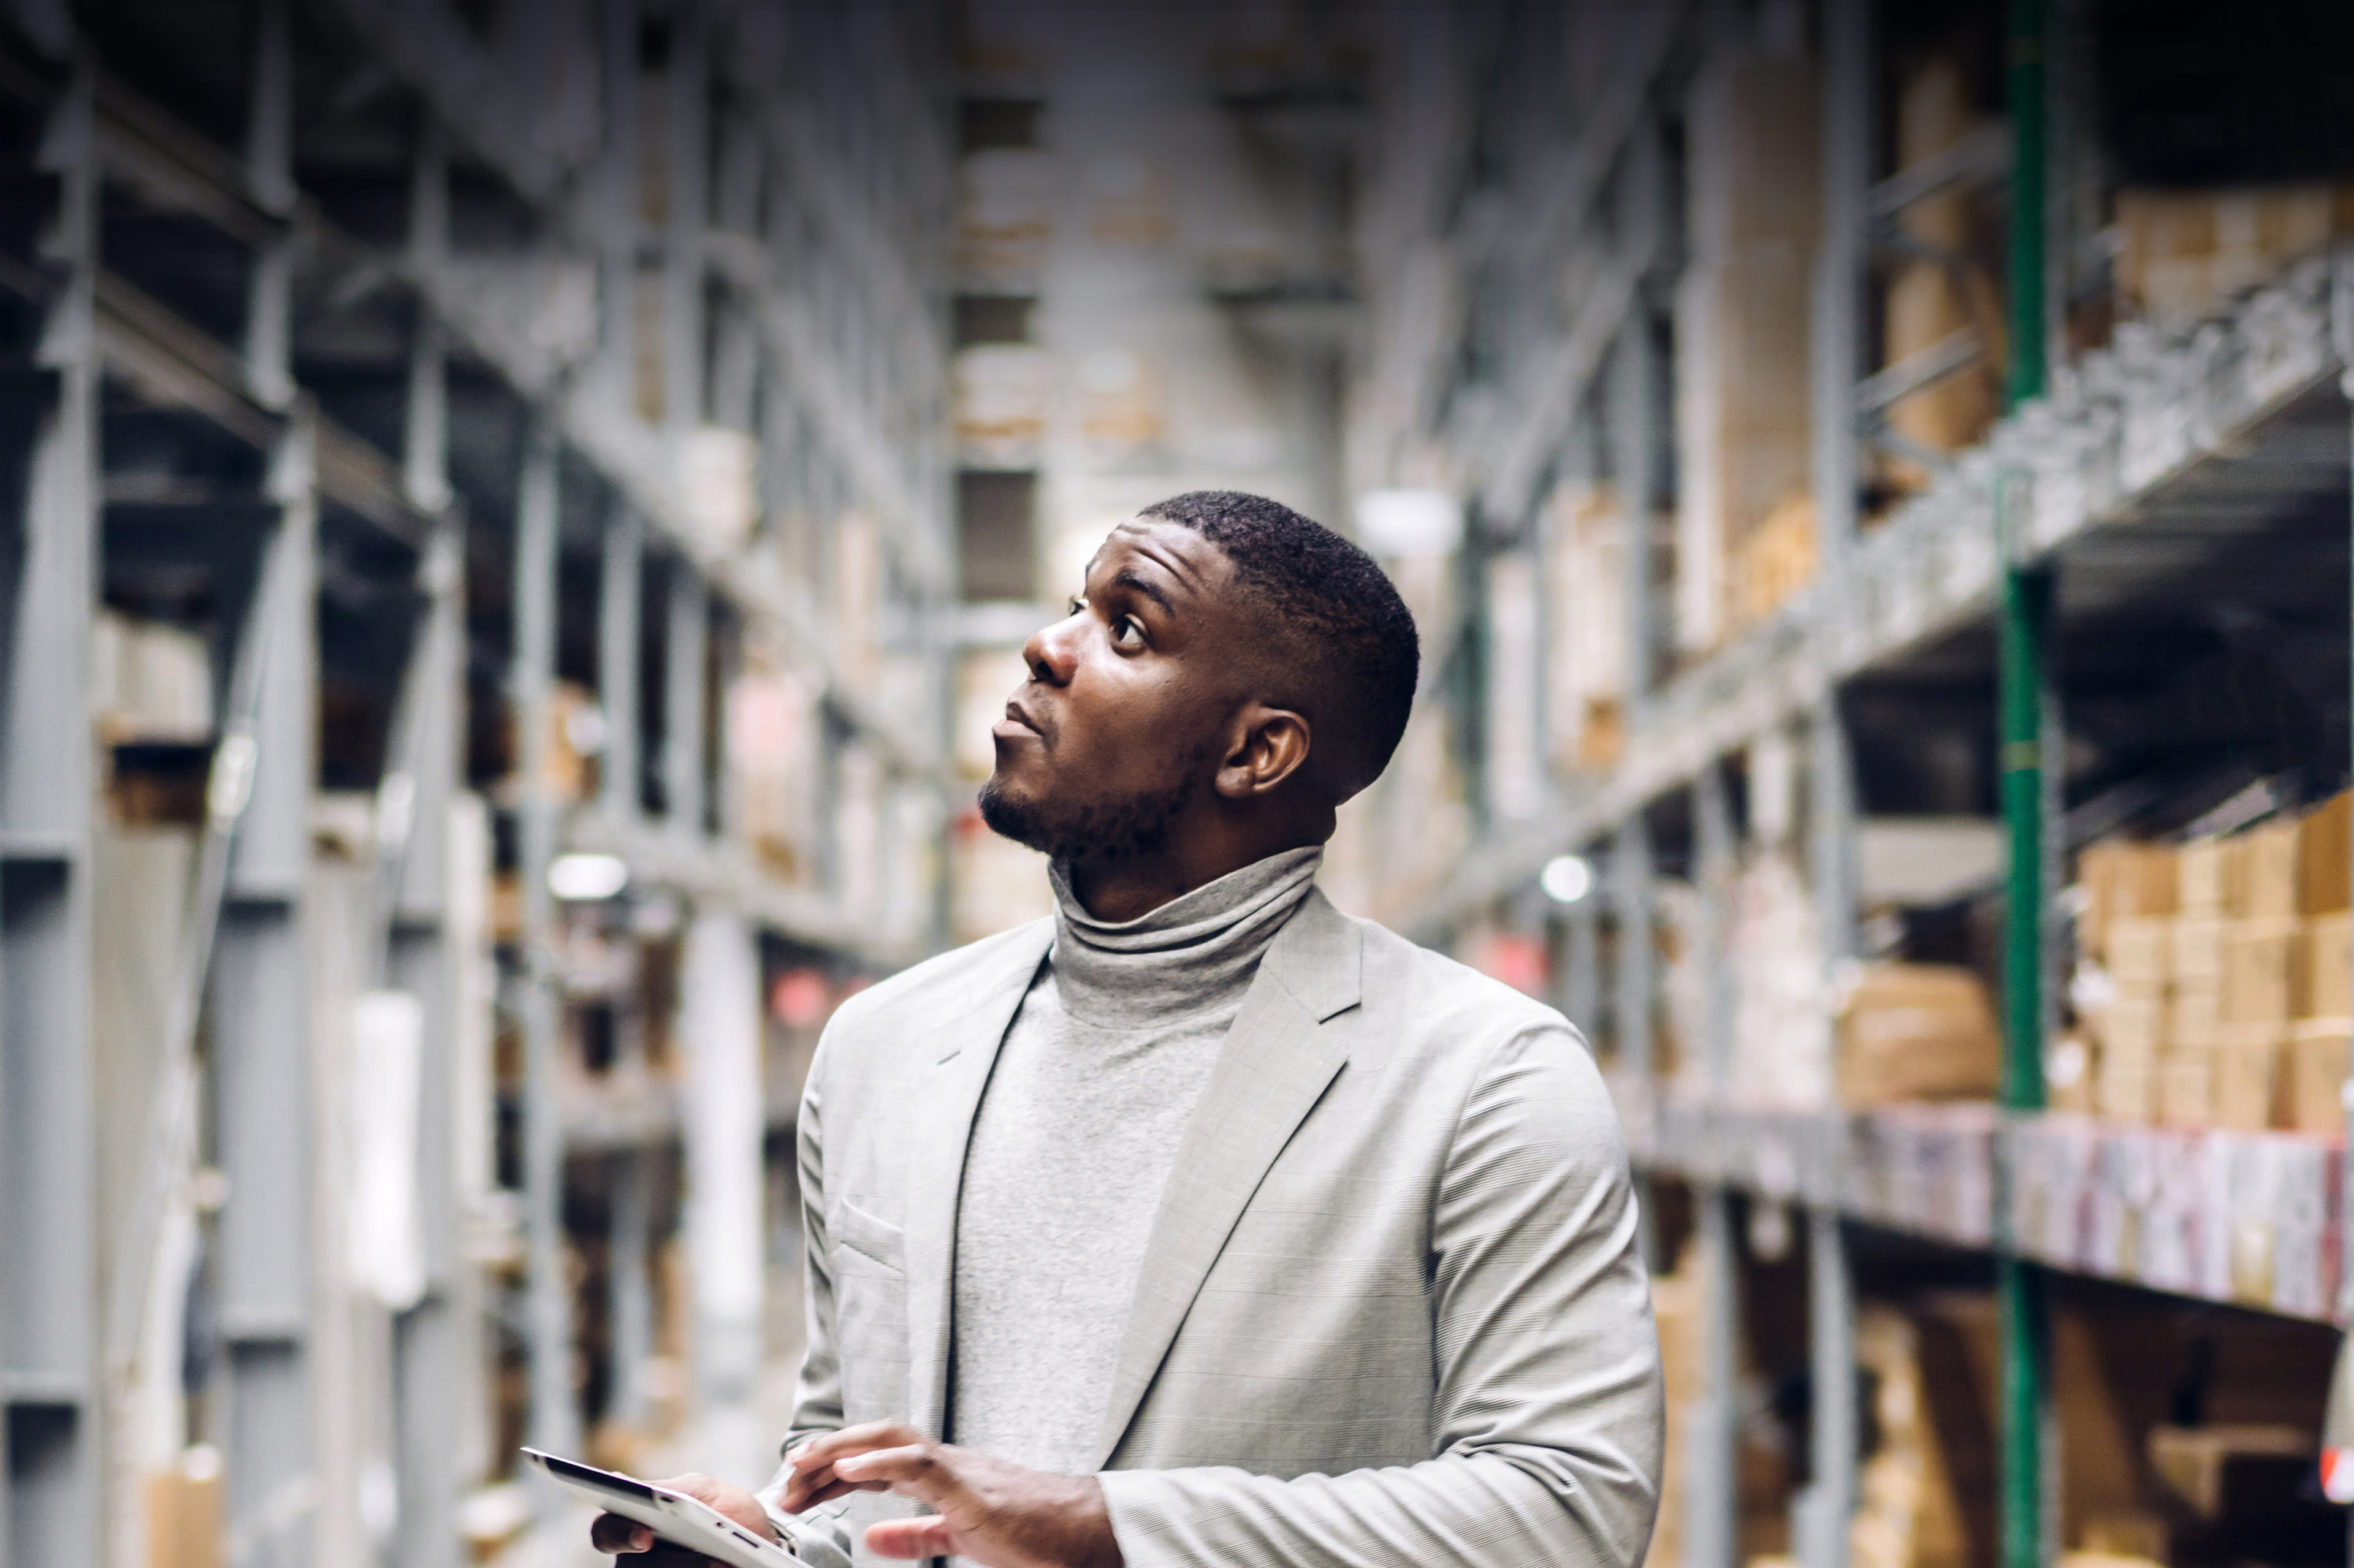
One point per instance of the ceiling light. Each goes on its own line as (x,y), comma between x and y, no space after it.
(582,877)
(1566,878)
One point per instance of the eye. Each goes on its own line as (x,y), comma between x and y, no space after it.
(1076,605)
(1128,632)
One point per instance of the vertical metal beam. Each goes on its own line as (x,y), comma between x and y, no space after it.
(1828,1502)
(1634,394)
(1631,984)
(630,1292)
(720,1024)
(621,594)
(425,457)
(1712,1501)
(687,193)
(1837,326)
(1582,967)
(50,1428)
(686,629)
(629,1239)
(1630,874)
(261,1044)
(269,176)
(1713,836)
(2023,613)
(432,1370)
(623,206)
(430,1373)
(1821,1524)
(555,1414)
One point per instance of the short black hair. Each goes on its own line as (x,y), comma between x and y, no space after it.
(1336,613)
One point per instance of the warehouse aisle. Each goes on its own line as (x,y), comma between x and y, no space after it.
(523,516)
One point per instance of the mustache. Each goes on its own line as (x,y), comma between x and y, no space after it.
(1031,715)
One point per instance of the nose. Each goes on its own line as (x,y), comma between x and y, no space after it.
(1052,652)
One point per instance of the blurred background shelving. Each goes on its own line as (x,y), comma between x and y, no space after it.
(526,513)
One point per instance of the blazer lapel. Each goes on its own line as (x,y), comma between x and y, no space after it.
(1275,1065)
(957,1064)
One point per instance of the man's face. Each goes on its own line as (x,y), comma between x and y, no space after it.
(1120,722)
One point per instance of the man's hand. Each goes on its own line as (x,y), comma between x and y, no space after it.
(995,1513)
(612,1533)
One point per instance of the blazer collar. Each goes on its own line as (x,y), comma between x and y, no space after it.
(1277,1061)
(957,1066)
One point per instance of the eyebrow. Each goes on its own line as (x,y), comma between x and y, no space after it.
(1126,578)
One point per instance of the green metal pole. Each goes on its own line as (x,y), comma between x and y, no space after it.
(2025,88)
(2025,612)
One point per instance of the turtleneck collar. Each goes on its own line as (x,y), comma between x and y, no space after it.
(1195,954)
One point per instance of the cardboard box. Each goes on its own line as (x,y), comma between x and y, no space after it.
(2262,972)
(2269,869)
(2317,1052)
(2247,1077)
(2185,1089)
(2182,253)
(2328,965)
(183,1514)
(2132,1029)
(2202,878)
(2122,881)
(2195,1463)
(2193,1014)
(2325,877)
(2196,950)
(2140,949)
(1919,1032)
(2126,1089)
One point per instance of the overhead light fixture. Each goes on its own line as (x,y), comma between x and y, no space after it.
(1566,878)
(1409,522)
(580,878)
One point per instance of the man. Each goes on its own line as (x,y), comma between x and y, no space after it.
(1202,1223)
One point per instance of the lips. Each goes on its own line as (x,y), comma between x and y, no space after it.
(1016,714)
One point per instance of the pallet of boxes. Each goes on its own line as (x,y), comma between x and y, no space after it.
(2215,982)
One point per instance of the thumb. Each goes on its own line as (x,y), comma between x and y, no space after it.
(928,1536)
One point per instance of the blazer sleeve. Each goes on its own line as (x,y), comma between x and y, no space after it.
(820,1537)
(1547,1413)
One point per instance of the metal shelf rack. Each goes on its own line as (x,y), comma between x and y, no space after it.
(331,309)
(2212,462)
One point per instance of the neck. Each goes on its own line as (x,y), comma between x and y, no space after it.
(1125,888)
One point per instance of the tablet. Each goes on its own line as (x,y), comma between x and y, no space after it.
(676,1518)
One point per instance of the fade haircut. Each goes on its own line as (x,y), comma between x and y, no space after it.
(1335,618)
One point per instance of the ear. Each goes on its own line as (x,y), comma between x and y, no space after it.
(1266,747)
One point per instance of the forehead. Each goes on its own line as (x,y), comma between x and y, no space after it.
(1172,552)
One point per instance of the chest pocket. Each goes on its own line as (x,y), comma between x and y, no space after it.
(869,1257)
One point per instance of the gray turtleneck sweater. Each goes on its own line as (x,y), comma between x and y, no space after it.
(1077,1135)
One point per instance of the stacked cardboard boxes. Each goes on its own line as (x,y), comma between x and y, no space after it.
(2181,254)
(1909,1033)
(1745,526)
(2130,899)
(2218,978)
(2320,1033)
(1945,288)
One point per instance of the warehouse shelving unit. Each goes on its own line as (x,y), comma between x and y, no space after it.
(359,339)
(2212,461)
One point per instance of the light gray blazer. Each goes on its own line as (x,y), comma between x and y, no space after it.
(1391,1311)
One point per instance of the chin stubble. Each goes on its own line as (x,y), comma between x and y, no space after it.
(1094,830)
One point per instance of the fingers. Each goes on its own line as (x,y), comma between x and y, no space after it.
(916,1470)
(826,1449)
(799,1497)
(614,1536)
(814,1480)
(928,1537)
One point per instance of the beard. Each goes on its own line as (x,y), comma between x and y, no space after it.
(1092,830)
